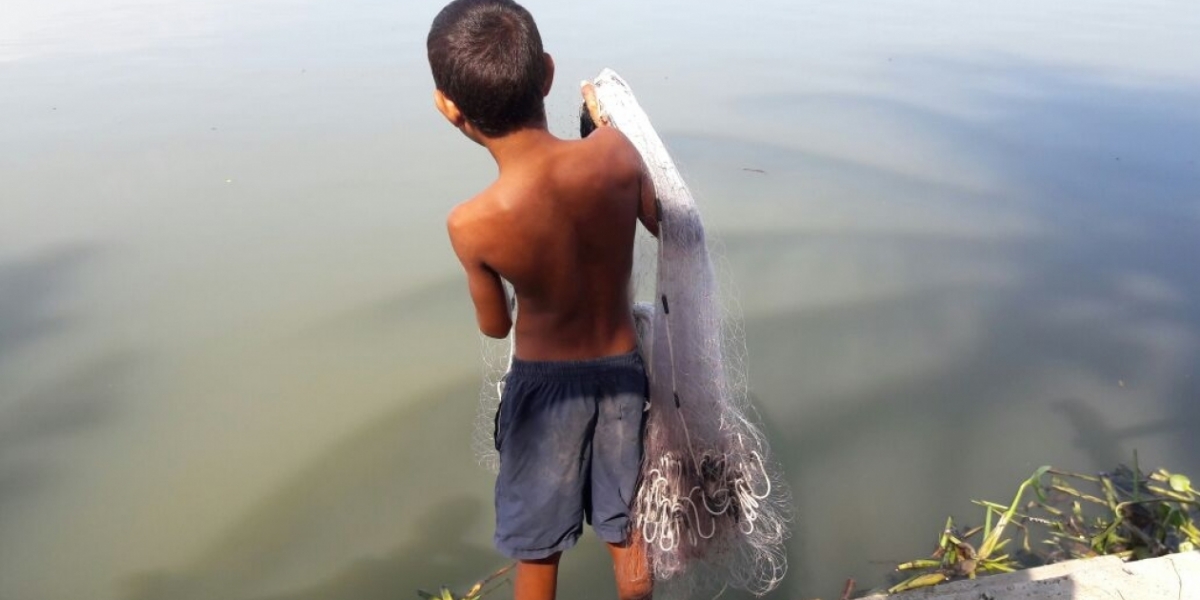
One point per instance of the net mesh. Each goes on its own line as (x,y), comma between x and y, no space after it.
(497,358)
(711,506)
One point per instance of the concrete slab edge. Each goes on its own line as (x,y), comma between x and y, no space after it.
(1172,577)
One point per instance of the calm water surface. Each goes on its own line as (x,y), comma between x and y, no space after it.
(237,359)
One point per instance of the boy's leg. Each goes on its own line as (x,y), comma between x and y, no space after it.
(616,467)
(631,568)
(537,579)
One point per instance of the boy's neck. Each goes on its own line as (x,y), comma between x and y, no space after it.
(512,147)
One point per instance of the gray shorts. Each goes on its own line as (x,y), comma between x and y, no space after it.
(569,435)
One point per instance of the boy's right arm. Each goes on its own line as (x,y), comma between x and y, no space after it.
(492,309)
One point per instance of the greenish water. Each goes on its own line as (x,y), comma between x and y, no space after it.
(237,359)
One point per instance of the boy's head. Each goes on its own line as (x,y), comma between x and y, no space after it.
(489,66)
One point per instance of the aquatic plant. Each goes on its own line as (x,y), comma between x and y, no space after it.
(1127,514)
(956,558)
(481,588)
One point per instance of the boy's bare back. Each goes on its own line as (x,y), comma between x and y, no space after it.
(558,224)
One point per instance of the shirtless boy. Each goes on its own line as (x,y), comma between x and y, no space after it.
(558,224)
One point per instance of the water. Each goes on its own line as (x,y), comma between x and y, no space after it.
(237,359)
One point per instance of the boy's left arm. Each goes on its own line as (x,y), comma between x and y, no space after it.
(487,291)
(647,197)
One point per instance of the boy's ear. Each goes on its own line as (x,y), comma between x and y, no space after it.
(448,109)
(549,74)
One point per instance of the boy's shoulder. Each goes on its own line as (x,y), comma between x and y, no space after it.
(605,155)
(472,212)
(471,227)
(612,140)
(474,221)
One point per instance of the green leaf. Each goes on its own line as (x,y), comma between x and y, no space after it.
(942,540)
(1192,532)
(1066,488)
(999,508)
(474,591)
(1110,494)
(924,563)
(993,538)
(919,581)
(1179,483)
(1137,475)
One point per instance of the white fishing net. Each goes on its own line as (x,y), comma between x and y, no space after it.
(497,358)
(711,506)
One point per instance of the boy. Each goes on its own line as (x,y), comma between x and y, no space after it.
(558,224)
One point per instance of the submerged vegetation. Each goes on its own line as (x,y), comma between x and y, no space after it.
(481,588)
(1071,515)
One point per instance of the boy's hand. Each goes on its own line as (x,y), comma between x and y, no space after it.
(599,117)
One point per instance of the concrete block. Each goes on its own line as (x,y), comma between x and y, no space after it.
(1174,577)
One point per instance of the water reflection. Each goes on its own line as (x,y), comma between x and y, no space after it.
(37,413)
(952,272)
(336,522)
(31,291)
(438,553)
(908,366)
(440,548)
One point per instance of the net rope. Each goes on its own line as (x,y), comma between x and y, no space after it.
(711,506)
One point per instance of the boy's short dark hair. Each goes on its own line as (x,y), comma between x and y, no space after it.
(487,57)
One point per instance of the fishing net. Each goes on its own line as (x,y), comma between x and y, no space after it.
(711,507)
